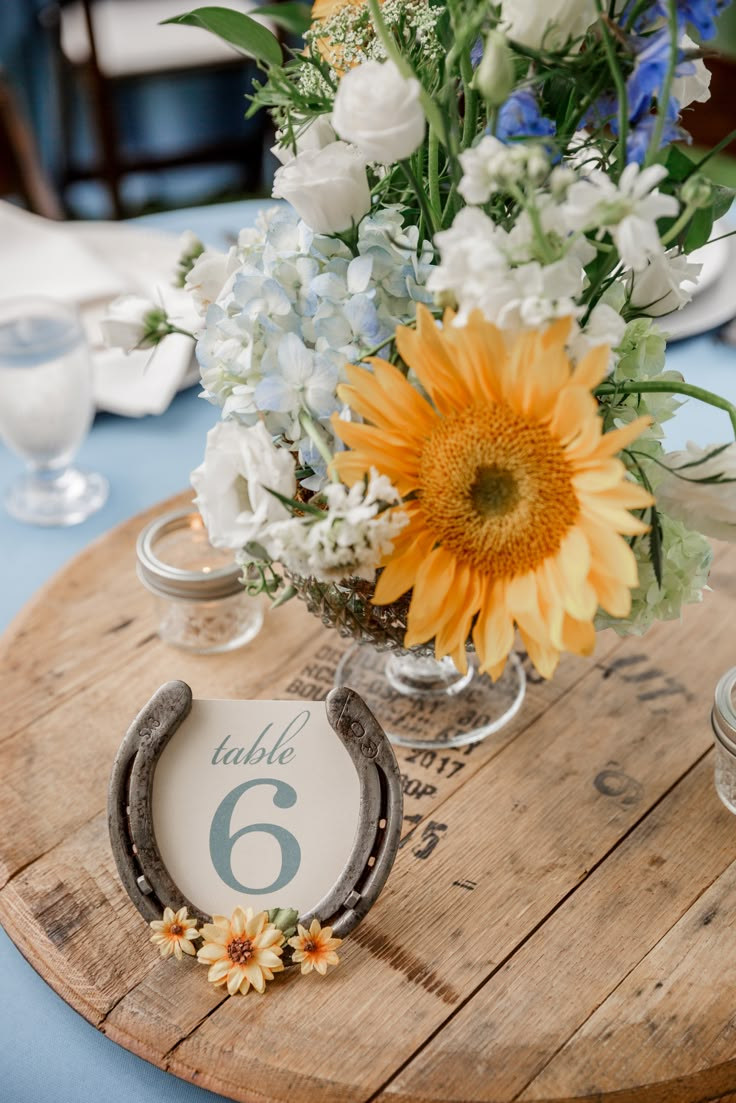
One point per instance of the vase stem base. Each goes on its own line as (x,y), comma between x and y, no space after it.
(420,702)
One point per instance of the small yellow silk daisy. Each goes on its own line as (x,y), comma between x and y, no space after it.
(518,506)
(243,951)
(174,933)
(315,948)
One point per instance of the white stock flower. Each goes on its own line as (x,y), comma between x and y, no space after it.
(695,87)
(132,322)
(327,187)
(549,26)
(240,463)
(663,285)
(709,508)
(350,541)
(313,135)
(605,327)
(379,110)
(478,273)
(493,166)
(629,211)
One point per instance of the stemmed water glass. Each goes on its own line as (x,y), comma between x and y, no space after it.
(46,409)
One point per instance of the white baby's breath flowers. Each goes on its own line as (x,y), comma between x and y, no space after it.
(628,211)
(707,507)
(492,166)
(241,466)
(350,541)
(379,111)
(327,187)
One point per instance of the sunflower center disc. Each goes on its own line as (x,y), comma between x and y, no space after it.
(498,489)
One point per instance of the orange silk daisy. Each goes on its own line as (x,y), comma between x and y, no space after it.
(315,948)
(518,503)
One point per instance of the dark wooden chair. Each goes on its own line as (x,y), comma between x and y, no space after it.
(104,45)
(21,171)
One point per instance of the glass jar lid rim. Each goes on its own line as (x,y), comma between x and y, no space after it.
(724,711)
(164,578)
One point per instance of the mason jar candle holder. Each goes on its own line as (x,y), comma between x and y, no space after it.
(201,603)
(724,729)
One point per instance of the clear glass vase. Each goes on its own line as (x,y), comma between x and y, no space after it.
(419,701)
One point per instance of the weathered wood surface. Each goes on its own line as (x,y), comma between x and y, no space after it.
(559,923)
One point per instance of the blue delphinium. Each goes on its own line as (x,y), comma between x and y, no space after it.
(520,117)
(642,130)
(700,14)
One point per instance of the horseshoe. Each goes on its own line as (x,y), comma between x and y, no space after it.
(130,814)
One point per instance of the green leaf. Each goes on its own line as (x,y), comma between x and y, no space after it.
(236,28)
(291,15)
(699,230)
(678,164)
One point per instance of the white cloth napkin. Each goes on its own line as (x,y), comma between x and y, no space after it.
(89,264)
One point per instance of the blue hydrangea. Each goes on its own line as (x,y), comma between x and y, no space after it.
(296,308)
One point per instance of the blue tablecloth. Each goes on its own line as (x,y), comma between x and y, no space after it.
(47,1051)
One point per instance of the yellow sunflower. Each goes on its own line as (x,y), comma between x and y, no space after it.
(242,951)
(334,52)
(517,500)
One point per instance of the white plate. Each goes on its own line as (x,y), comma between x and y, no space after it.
(713,257)
(713,306)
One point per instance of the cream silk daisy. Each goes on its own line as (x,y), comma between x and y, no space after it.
(243,951)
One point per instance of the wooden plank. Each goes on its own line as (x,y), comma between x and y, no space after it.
(496,848)
(671,1016)
(569,966)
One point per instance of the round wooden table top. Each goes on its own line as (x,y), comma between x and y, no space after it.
(559,921)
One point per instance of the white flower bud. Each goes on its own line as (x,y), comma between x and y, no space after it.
(494,77)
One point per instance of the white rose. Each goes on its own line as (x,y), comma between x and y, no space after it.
(240,463)
(131,322)
(665,284)
(314,136)
(694,88)
(709,508)
(379,110)
(328,188)
(523,21)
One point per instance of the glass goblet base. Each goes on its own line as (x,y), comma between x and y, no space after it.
(420,702)
(65,497)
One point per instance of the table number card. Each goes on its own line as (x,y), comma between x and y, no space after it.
(261,804)
(255,803)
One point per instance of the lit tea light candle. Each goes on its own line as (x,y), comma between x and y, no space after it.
(201,603)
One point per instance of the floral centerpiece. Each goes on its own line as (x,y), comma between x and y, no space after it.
(441,363)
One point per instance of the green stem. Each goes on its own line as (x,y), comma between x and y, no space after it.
(310,428)
(427,212)
(620,83)
(678,226)
(434,115)
(470,114)
(434,170)
(663,98)
(670,386)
